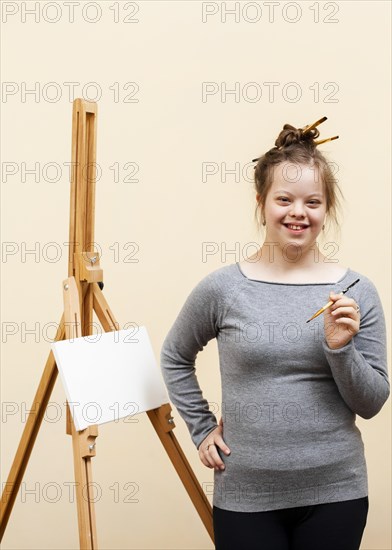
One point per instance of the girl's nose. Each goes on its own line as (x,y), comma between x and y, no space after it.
(297,209)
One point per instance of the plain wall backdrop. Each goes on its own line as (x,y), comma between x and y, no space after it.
(188,94)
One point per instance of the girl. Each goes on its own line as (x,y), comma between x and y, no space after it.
(289,464)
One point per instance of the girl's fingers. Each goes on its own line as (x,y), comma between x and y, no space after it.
(219,441)
(341,310)
(347,321)
(210,457)
(205,456)
(342,302)
(345,305)
(218,463)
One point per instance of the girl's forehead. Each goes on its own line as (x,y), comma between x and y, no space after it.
(293,170)
(291,176)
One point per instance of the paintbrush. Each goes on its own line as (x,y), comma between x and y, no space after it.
(331,302)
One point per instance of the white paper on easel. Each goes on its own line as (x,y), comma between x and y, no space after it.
(109,376)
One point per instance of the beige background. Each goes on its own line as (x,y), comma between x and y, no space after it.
(171,213)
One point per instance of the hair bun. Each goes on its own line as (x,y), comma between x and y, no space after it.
(296,136)
(293,136)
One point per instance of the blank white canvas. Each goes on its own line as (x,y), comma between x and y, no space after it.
(110,375)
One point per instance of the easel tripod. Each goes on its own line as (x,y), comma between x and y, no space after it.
(82,292)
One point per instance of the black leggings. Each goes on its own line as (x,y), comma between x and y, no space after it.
(329,526)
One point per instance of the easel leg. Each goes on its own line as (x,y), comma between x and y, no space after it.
(83,442)
(163,424)
(161,420)
(30,433)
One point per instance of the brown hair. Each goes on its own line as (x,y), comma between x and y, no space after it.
(296,146)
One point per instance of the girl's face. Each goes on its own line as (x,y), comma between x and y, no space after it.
(296,198)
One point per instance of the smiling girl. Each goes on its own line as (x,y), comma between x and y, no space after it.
(288,458)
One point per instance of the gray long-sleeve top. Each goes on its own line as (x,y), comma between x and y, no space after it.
(288,400)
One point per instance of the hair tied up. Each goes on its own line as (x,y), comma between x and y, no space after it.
(291,136)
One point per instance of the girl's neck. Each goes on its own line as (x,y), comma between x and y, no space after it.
(291,258)
(271,263)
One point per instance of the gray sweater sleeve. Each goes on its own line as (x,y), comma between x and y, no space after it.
(195,325)
(360,367)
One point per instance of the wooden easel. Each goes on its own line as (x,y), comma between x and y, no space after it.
(82,292)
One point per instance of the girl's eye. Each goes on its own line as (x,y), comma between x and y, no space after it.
(310,202)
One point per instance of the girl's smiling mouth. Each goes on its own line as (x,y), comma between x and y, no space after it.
(296,228)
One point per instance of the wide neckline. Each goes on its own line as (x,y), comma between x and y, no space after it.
(291,284)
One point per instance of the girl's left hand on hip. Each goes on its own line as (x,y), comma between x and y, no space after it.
(341,320)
